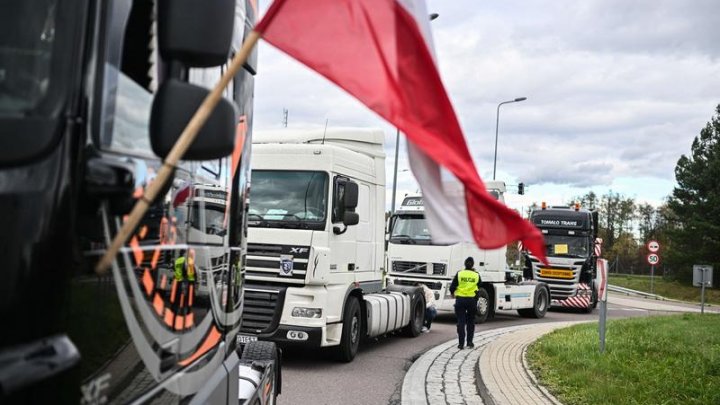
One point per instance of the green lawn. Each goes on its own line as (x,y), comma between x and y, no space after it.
(669,289)
(654,360)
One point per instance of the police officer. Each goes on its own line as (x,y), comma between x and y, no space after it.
(464,288)
(183,291)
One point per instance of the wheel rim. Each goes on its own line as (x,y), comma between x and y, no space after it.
(482,306)
(354,328)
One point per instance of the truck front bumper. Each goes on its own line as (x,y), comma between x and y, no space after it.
(286,335)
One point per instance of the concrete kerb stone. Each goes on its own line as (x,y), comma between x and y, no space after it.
(434,377)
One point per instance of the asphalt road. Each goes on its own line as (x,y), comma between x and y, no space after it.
(376,374)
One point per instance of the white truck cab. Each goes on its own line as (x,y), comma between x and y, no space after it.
(315,259)
(413,258)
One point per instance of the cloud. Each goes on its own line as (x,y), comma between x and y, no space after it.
(616,89)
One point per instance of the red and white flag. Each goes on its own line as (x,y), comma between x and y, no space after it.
(379,51)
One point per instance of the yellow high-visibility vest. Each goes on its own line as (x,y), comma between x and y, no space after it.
(467,283)
(179,263)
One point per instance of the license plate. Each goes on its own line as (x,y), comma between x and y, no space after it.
(556,273)
(242,339)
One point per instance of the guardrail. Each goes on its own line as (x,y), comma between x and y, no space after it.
(628,291)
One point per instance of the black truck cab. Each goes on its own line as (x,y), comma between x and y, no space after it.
(92,96)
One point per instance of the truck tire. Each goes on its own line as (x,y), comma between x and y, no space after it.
(260,350)
(593,301)
(541,301)
(417,315)
(483,306)
(351,329)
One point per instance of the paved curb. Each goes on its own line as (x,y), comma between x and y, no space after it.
(435,377)
(504,371)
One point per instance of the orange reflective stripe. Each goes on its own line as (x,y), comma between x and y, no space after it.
(211,341)
(190,296)
(148,282)
(143,232)
(156,257)
(266,390)
(189,320)
(137,252)
(163,282)
(169,317)
(158,304)
(179,321)
(173,291)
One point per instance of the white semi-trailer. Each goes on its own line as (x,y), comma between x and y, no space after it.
(315,243)
(414,258)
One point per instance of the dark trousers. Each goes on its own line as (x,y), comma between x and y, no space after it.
(465,308)
(430,314)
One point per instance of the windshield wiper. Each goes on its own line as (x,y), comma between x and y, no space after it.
(406,239)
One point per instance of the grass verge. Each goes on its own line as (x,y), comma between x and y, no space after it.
(654,360)
(669,289)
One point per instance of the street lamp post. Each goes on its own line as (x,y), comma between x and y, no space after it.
(497,122)
(397,147)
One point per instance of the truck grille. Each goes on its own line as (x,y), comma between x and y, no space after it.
(439,269)
(418,268)
(261,309)
(560,288)
(263,263)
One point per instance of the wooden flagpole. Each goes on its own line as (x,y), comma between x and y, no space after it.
(178,150)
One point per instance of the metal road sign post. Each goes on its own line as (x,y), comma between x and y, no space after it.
(702,276)
(653,258)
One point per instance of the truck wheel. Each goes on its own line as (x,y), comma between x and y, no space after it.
(541,300)
(417,315)
(352,325)
(593,301)
(483,306)
(260,350)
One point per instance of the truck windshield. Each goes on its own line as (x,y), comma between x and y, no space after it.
(208,218)
(410,229)
(567,246)
(27,35)
(288,199)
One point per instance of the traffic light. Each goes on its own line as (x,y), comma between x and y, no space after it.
(521,188)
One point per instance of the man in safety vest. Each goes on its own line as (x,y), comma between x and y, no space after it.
(464,288)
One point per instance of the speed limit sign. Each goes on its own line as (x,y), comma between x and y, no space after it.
(653,259)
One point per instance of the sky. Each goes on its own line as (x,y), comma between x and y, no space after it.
(616,92)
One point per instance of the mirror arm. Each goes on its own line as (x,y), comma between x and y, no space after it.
(338,231)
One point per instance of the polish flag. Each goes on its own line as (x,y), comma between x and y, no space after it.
(182,194)
(380,52)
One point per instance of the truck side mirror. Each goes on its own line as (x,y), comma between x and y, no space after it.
(195,33)
(595,223)
(351,196)
(173,107)
(351,218)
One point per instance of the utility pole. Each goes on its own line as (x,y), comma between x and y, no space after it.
(285,117)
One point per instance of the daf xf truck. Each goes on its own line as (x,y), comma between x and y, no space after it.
(315,243)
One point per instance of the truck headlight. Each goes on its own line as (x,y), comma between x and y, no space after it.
(584,293)
(302,312)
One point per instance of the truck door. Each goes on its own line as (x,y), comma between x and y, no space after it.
(365,252)
(344,238)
